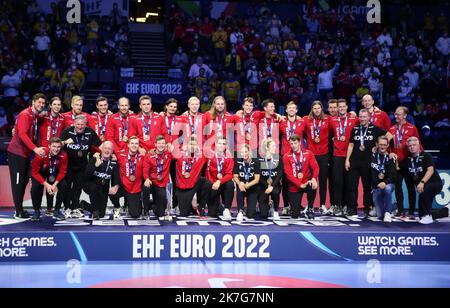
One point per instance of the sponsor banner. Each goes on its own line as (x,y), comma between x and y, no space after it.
(89,7)
(246,246)
(159,90)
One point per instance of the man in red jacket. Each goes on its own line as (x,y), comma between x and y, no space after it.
(377,117)
(99,119)
(22,146)
(121,126)
(52,125)
(156,176)
(48,172)
(302,171)
(400,133)
(318,133)
(189,180)
(131,167)
(149,125)
(77,109)
(247,125)
(219,175)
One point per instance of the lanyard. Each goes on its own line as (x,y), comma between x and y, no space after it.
(246,127)
(124,126)
(159,164)
(220,164)
(193,124)
(131,165)
(317,128)
(78,140)
(188,163)
(219,124)
(361,135)
(35,127)
(400,134)
(343,129)
(269,165)
(53,163)
(247,171)
(102,127)
(170,127)
(290,129)
(415,164)
(298,164)
(380,163)
(268,129)
(147,125)
(54,127)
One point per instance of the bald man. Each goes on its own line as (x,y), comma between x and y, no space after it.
(101,179)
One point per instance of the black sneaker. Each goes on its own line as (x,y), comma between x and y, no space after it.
(49,211)
(58,215)
(36,216)
(310,214)
(96,215)
(22,215)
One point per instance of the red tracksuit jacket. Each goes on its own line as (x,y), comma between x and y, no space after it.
(49,127)
(407,130)
(156,127)
(26,132)
(310,169)
(298,126)
(99,123)
(340,147)
(41,166)
(69,118)
(320,148)
(380,119)
(150,168)
(125,172)
(197,166)
(212,170)
(115,131)
(251,122)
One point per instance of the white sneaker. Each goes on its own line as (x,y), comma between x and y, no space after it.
(240,216)
(176,211)
(344,211)
(387,217)
(337,211)
(323,209)
(67,214)
(373,212)
(286,211)
(426,220)
(227,215)
(161,218)
(271,212)
(116,214)
(276,216)
(77,214)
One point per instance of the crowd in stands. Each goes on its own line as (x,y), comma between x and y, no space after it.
(319,55)
(43,53)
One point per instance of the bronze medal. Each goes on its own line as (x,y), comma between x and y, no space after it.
(80,154)
(219,176)
(187,175)
(300,175)
(103,182)
(159,178)
(51,179)
(362,148)
(146,137)
(249,137)
(381,176)
(125,139)
(317,140)
(343,138)
(132,178)
(269,181)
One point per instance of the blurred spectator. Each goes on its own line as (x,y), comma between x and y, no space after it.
(231,90)
(443,45)
(219,39)
(233,62)
(42,42)
(180,59)
(11,83)
(325,80)
(253,76)
(195,69)
(4,126)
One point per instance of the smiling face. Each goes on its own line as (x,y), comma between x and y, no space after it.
(332,109)
(102,107)
(55,106)
(342,109)
(194,105)
(317,110)
(77,106)
(295,145)
(107,149)
(172,108)
(291,110)
(39,104)
(160,145)
(80,126)
(400,115)
(124,106)
(55,148)
(133,145)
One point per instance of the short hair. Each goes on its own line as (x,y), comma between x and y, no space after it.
(144,97)
(101,99)
(413,139)
(123,98)
(246,146)
(291,103)
(295,138)
(53,99)
(38,96)
(170,101)
(192,99)
(363,111)
(342,100)
(333,101)
(159,138)
(404,108)
(383,138)
(267,102)
(55,140)
(249,100)
(81,117)
(133,138)
(76,98)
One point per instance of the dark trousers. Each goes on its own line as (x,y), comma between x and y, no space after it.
(159,197)
(296,200)
(37,191)
(426,198)
(252,197)
(331,181)
(19,172)
(285,191)
(323,161)
(441,213)
(174,183)
(98,196)
(340,176)
(133,201)
(226,191)
(74,180)
(403,174)
(185,197)
(359,170)
(263,200)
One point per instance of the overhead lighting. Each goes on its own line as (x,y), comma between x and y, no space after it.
(151,14)
(141,19)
